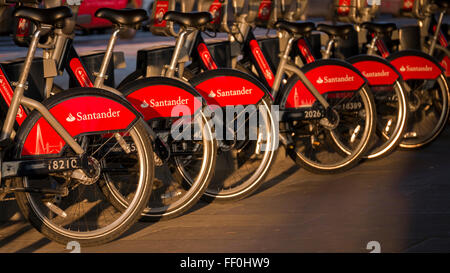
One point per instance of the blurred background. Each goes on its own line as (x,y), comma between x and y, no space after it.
(88,24)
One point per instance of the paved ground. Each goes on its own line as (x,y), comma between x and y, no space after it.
(401,201)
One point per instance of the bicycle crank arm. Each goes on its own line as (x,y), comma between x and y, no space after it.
(40,166)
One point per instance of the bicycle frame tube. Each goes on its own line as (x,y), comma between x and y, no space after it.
(436,34)
(283,67)
(184,42)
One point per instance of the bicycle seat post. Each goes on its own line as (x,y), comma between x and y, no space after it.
(326,51)
(436,33)
(102,75)
(182,39)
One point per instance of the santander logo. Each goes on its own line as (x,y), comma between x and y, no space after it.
(164,103)
(80,73)
(261,60)
(145,104)
(93,116)
(212,94)
(326,79)
(160,15)
(378,74)
(408,4)
(70,118)
(4,86)
(215,12)
(230,93)
(408,68)
(82,76)
(22,27)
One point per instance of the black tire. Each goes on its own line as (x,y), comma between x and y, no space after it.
(323,151)
(87,210)
(392,116)
(188,178)
(251,171)
(182,180)
(242,165)
(429,112)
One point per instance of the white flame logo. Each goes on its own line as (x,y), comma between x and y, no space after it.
(70,118)
(23,24)
(145,104)
(215,12)
(402,69)
(319,80)
(409,4)
(160,16)
(212,94)
(265,11)
(20,113)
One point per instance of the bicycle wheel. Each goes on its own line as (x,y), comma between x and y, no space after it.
(429,111)
(182,179)
(243,164)
(392,114)
(83,213)
(330,147)
(244,157)
(390,98)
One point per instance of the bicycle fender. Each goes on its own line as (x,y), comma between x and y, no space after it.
(328,76)
(161,97)
(376,70)
(413,64)
(80,111)
(228,87)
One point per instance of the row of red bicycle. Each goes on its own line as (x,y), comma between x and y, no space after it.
(84,164)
